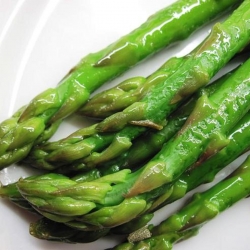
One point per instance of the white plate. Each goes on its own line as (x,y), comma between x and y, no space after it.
(39,42)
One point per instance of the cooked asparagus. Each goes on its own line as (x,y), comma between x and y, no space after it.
(43,114)
(115,134)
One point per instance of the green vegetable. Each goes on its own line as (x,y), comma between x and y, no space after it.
(151,142)
(115,134)
(53,231)
(129,91)
(204,132)
(40,119)
(164,242)
(201,172)
(49,230)
(202,208)
(106,206)
(143,148)
(205,172)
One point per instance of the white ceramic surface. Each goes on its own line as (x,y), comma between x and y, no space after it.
(39,42)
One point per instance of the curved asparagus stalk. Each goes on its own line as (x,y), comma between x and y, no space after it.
(43,114)
(106,207)
(151,112)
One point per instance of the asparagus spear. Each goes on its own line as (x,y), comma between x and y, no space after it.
(202,208)
(150,112)
(44,113)
(205,172)
(106,205)
(127,92)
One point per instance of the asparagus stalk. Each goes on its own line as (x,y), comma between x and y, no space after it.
(151,112)
(202,208)
(129,91)
(44,113)
(203,173)
(106,206)
(53,231)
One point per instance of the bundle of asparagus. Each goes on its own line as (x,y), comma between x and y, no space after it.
(39,120)
(104,141)
(188,132)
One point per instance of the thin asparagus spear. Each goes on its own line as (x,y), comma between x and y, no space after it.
(160,101)
(201,209)
(224,194)
(106,205)
(42,116)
